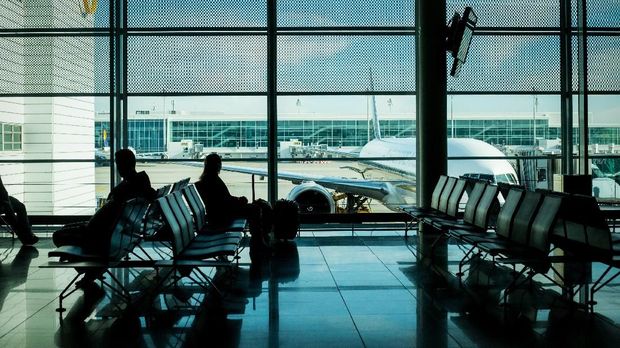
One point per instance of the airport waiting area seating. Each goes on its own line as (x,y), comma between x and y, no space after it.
(191,245)
(525,234)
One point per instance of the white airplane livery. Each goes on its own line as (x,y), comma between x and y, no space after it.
(494,170)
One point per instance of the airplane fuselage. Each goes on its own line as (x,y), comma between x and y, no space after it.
(496,169)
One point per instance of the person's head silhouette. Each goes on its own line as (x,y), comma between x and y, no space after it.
(125,162)
(213,164)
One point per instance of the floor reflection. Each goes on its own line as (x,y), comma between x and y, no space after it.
(14,269)
(338,291)
(15,273)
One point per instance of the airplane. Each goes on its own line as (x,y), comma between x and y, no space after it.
(312,192)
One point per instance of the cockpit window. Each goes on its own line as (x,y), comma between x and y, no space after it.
(507,178)
(486,177)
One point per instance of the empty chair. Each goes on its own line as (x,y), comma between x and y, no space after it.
(469,214)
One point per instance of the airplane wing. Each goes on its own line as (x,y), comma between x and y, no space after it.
(369,188)
(389,193)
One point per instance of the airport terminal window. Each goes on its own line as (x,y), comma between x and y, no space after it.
(333,56)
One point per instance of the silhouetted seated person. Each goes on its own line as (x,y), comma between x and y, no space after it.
(14,213)
(94,236)
(221,207)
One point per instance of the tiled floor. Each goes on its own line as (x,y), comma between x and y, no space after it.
(330,289)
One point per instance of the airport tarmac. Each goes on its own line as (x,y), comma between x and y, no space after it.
(241,184)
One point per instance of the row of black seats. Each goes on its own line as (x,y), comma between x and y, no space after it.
(191,243)
(525,231)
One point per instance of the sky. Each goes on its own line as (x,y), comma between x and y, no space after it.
(335,63)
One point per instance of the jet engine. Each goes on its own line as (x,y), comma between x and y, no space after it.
(312,198)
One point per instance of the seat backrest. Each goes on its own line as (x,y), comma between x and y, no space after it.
(441,183)
(196,206)
(544,222)
(183,216)
(571,223)
(581,221)
(162,191)
(488,205)
(127,230)
(445,194)
(473,200)
(505,187)
(597,232)
(177,186)
(455,197)
(168,205)
(505,218)
(152,221)
(185,208)
(525,216)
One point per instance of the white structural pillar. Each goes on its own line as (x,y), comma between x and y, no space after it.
(56,127)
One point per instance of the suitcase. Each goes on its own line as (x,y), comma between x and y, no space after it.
(286,219)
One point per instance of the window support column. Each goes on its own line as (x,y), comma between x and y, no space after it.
(272,102)
(431,108)
(566,85)
(582,35)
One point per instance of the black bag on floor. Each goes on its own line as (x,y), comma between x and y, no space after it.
(261,223)
(286,219)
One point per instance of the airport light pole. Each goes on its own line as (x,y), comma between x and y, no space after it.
(367,119)
(534,110)
(451,113)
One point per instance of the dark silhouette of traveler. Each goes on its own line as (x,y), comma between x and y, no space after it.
(16,274)
(16,216)
(220,205)
(94,235)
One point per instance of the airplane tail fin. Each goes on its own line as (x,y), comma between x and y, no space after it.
(375,118)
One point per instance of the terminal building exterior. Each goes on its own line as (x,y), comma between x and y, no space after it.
(155,133)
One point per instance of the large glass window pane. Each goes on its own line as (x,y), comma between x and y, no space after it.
(513,126)
(603,13)
(346,63)
(603,72)
(510,63)
(604,145)
(510,13)
(346,13)
(197,64)
(196,14)
(171,135)
(334,139)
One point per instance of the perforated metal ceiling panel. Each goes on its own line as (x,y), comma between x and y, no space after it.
(197,64)
(345,13)
(54,65)
(332,63)
(603,13)
(194,13)
(58,14)
(517,63)
(603,65)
